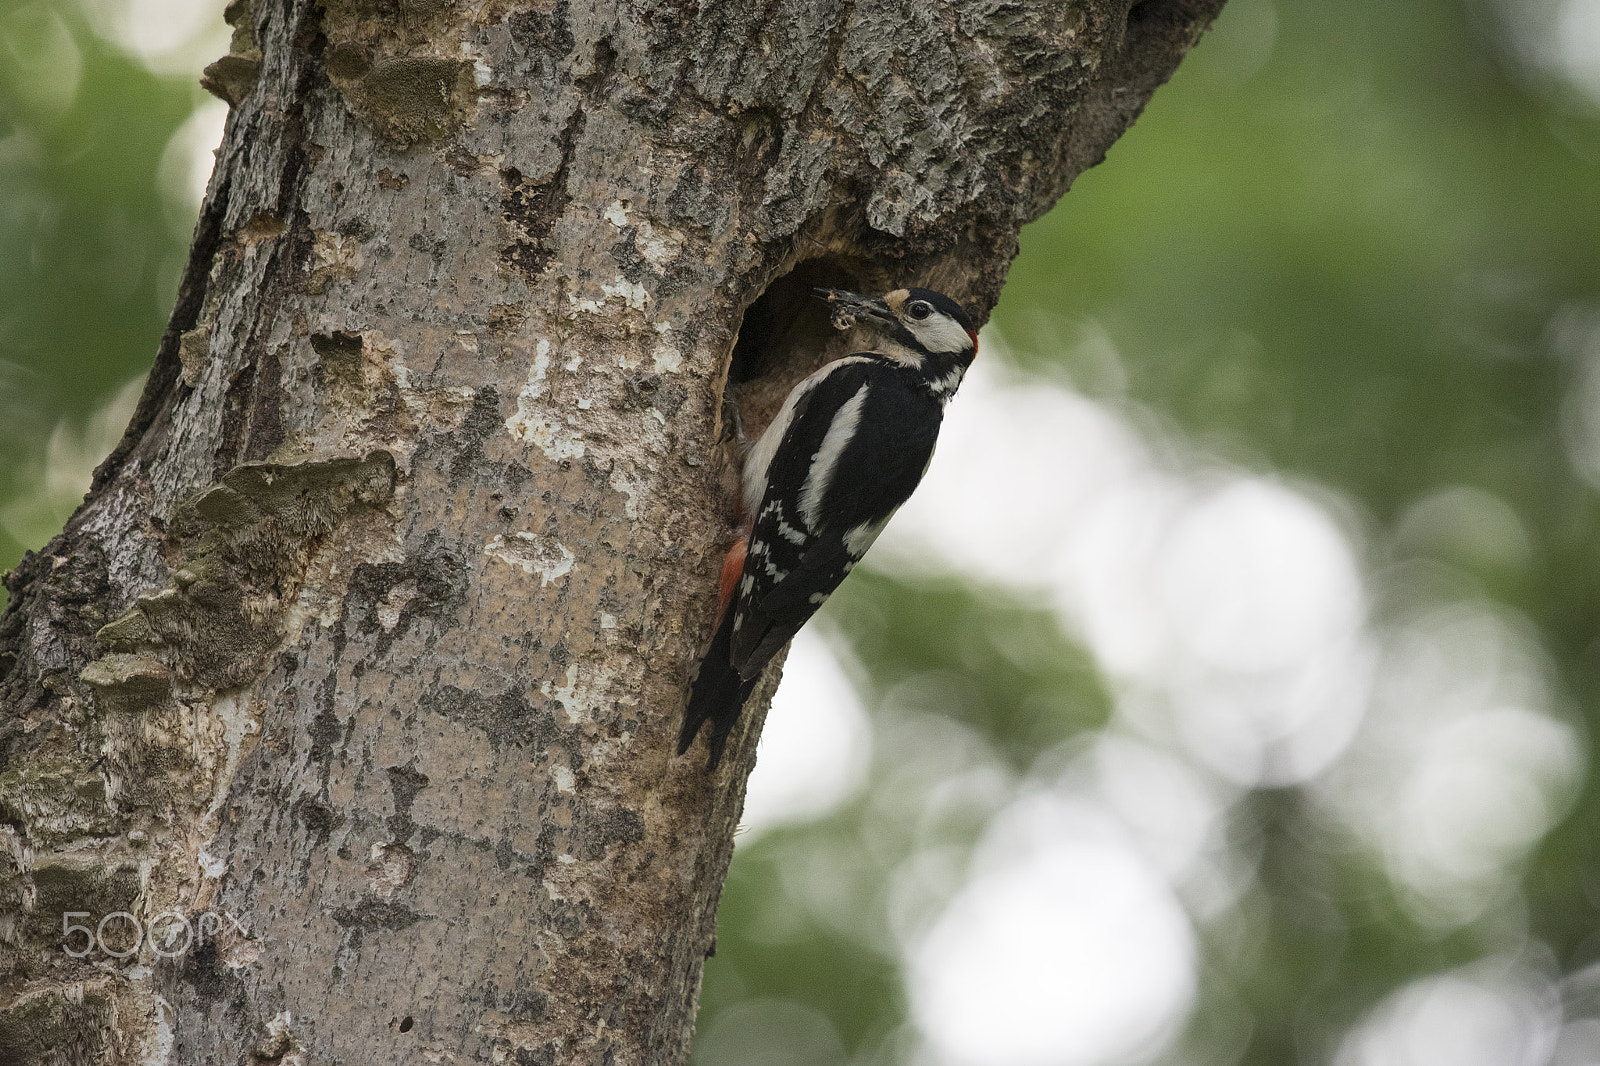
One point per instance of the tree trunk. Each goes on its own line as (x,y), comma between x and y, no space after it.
(355,680)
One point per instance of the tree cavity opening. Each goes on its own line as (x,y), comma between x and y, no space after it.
(786,334)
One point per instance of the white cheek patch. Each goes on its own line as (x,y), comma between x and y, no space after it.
(940,333)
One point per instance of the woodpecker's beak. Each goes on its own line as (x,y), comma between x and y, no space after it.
(854,305)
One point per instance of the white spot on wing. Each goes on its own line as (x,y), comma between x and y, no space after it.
(859,539)
(820,476)
(790,534)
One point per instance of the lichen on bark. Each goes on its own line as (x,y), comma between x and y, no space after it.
(373,633)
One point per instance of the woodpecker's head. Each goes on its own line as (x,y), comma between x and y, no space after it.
(921,327)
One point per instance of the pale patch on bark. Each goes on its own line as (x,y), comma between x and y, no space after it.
(394,604)
(532,554)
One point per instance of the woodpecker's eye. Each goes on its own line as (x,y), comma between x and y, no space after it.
(920,310)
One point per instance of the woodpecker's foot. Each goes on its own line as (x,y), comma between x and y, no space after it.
(732,424)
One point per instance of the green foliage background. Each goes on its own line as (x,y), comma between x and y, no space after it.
(1355,243)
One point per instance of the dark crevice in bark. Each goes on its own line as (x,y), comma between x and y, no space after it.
(60,592)
(592,86)
(266,420)
(532,209)
(235,421)
(252,426)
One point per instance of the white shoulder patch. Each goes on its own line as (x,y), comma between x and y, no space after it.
(759,459)
(820,476)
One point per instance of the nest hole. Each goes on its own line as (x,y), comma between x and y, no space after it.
(786,334)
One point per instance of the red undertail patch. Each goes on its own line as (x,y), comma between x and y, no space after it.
(732,568)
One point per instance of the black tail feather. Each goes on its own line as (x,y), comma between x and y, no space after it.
(717,695)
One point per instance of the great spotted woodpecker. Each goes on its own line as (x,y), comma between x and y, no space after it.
(847,448)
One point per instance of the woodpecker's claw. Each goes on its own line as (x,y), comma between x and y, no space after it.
(732,424)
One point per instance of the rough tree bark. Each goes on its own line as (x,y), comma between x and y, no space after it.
(371,639)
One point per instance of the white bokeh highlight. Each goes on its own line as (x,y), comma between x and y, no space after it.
(1494,1013)
(170,37)
(816,745)
(187,162)
(1577,44)
(1558,38)
(1170,811)
(1462,768)
(1067,948)
(1255,578)
(1231,604)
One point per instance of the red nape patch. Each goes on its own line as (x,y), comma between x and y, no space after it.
(974,335)
(732,568)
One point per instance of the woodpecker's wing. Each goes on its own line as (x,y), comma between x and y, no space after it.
(853,451)
(767,625)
